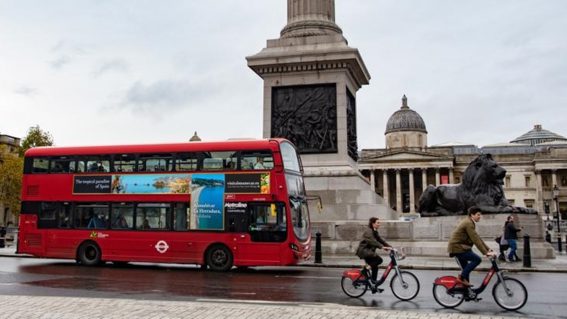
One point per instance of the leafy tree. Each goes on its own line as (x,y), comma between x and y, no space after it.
(11,171)
(36,137)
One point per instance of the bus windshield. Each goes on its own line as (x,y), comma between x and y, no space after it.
(300,218)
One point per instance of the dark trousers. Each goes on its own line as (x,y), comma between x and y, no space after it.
(469,261)
(373,262)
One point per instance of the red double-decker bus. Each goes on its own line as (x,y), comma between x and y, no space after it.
(216,204)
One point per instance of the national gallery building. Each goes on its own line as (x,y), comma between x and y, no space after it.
(535,163)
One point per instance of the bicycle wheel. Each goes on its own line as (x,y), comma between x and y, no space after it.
(513,297)
(354,288)
(406,290)
(445,298)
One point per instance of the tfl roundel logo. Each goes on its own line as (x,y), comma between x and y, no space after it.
(161,246)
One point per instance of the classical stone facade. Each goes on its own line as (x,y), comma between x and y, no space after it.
(535,163)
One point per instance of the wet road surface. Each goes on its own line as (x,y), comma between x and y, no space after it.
(25,276)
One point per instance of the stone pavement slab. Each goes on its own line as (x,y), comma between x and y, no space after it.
(32,307)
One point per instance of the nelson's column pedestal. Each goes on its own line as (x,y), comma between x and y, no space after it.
(311,77)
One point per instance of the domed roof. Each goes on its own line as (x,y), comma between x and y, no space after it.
(405,119)
(195,138)
(538,135)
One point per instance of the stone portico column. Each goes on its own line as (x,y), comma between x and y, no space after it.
(424,178)
(386,187)
(554,178)
(398,191)
(372,180)
(451,176)
(437,177)
(411,191)
(539,192)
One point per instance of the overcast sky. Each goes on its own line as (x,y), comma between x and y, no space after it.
(144,71)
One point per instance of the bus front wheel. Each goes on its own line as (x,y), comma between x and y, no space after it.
(89,254)
(219,258)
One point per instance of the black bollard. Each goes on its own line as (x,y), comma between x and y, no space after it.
(318,253)
(527,252)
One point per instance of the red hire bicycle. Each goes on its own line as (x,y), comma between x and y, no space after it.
(404,284)
(509,293)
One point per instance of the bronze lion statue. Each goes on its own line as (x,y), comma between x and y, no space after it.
(481,186)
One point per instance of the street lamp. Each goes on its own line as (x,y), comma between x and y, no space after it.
(556,199)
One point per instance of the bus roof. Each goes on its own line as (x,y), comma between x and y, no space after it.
(155,148)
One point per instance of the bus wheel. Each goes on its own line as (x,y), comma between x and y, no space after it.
(89,254)
(219,258)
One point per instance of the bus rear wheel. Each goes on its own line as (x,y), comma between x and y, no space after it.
(219,258)
(89,254)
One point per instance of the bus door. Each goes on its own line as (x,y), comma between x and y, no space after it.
(266,232)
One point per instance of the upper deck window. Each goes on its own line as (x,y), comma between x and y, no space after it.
(40,165)
(155,163)
(62,164)
(257,160)
(220,160)
(124,163)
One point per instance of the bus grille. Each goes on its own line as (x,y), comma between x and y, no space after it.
(33,190)
(33,240)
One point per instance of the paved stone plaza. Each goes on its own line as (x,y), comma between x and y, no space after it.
(14,307)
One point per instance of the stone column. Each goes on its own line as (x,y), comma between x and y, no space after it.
(386,187)
(411,192)
(398,191)
(539,192)
(310,17)
(451,176)
(424,178)
(554,178)
(372,180)
(437,177)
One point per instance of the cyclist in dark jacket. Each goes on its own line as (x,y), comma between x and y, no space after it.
(367,247)
(511,235)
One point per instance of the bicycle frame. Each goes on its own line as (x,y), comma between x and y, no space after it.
(363,275)
(450,282)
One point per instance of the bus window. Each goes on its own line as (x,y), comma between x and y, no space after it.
(122,216)
(267,222)
(97,164)
(186,162)
(181,216)
(154,163)
(152,216)
(64,216)
(257,160)
(124,163)
(48,215)
(61,165)
(91,216)
(40,165)
(220,161)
